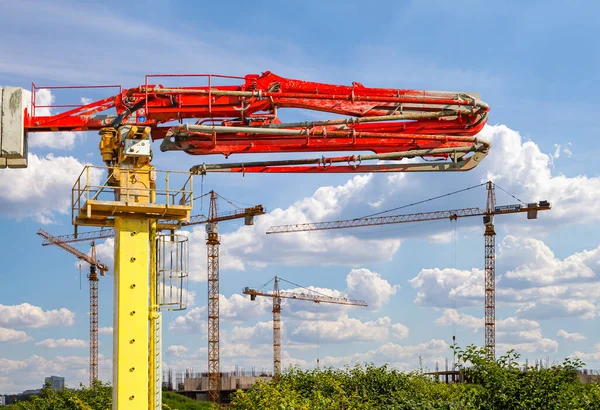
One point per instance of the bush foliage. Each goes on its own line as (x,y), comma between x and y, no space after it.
(99,397)
(494,385)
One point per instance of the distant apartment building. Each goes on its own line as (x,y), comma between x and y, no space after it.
(2,400)
(56,382)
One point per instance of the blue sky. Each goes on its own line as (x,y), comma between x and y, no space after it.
(534,64)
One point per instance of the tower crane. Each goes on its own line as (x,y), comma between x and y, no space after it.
(395,124)
(277,295)
(95,265)
(488,214)
(212,246)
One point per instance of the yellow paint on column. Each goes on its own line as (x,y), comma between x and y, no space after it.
(130,349)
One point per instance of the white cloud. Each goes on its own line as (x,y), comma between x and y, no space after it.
(247,246)
(260,333)
(53,140)
(403,357)
(13,336)
(438,287)
(551,309)
(537,265)
(343,330)
(521,168)
(59,343)
(194,321)
(399,331)
(570,336)
(29,373)
(513,324)
(43,189)
(511,333)
(366,285)
(27,315)
(106,330)
(240,308)
(176,350)
(591,358)
(541,345)
(236,308)
(105,251)
(452,317)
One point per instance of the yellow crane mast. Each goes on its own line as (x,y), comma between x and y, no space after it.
(490,239)
(213,242)
(95,265)
(277,295)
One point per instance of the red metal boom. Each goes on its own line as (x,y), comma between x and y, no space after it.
(243,118)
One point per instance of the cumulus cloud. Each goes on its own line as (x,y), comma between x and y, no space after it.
(43,189)
(591,358)
(440,287)
(260,333)
(540,345)
(531,279)
(523,169)
(511,333)
(570,336)
(344,329)
(551,309)
(399,331)
(403,357)
(106,330)
(59,343)
(29,373)
(452,317)
(537,265)
(366,285)
(236,308)
(176,350)
(27,315)
(13,336)
(247,246)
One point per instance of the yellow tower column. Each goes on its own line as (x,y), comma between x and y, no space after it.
(130,350)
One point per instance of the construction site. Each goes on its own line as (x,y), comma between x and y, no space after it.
(299,205)
(144,209)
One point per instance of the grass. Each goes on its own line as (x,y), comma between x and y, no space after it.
(178,402)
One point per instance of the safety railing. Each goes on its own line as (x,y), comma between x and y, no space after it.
(124,186)
(62,107)
(209,84)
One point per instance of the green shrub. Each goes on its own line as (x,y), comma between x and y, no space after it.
(493,385)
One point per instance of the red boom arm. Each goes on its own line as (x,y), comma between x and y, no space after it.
(243,119)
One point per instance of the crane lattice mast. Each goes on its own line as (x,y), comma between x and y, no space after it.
(490,271)
(212,244)
(277,295)
(95,266)
(489,235)
(93,279)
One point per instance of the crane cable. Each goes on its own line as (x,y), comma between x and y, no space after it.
(423,201)
(505,191)
(303,287)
